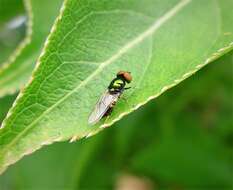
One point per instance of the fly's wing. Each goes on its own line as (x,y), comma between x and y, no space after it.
(102,106)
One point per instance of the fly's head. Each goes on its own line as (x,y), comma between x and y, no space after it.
(125,75)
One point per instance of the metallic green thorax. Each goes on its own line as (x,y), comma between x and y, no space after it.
(117,85)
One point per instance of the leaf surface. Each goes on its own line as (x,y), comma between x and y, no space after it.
(160,42)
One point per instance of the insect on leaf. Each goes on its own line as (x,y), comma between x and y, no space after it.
(160,42)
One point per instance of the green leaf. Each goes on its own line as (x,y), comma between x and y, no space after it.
(17,70)
(161,43)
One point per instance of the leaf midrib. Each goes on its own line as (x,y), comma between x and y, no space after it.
(151,30)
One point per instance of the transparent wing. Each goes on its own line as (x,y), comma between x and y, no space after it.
(102,106)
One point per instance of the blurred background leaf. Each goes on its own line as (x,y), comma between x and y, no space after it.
(11,31)
(181,140)
(39,18)
(9,9)
(5,103)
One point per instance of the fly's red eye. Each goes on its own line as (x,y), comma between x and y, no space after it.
(127,77)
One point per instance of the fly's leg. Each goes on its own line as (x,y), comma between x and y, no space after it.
(108,112)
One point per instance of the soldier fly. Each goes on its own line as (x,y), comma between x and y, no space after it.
(108,100)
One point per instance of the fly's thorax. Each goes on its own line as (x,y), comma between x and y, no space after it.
(117,85)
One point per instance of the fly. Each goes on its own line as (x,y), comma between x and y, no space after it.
(108,100)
